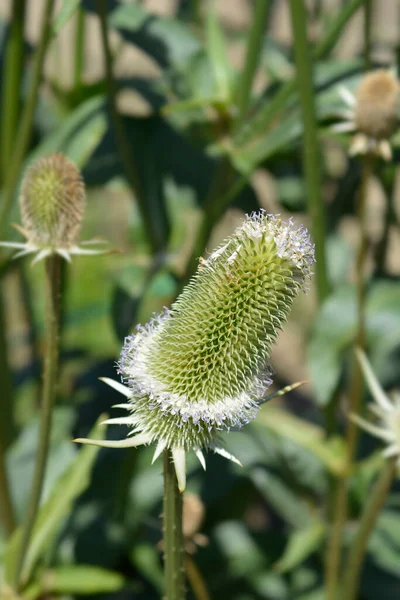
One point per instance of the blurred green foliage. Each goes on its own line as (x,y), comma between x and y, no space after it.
(99,526)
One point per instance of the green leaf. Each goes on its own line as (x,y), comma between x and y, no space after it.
(266,144)
(80,579)
(305,434)
(301,544)
(217,52)
(64,14)
(335,26)
(281,497)
(79,135)
(165,39)
(147,561)
(333,332)
(51,514)
(384,545)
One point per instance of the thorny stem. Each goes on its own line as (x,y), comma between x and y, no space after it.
(355,395)
(173,536)
(369,516)
(52,318)
(25,127)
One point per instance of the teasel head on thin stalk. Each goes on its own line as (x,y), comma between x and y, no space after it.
(372,113)
(200,368)
(387,411)
(52,204)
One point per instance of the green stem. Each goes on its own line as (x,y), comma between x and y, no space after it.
(7,430)
(25,127)
(6,506)
(155,233)
(375,502)
(12,82)
(355,396)
(311,148)
(173,537)
(270,109)
(79,49)
(52,316)
(252,58)
(368,33)
(196,579)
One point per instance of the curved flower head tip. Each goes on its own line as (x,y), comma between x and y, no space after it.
(52,204)
(372,113)
(200,367)
(387,411)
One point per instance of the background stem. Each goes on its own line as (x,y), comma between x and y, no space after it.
(173,537)
(312,154)
(48,398)
(376,500)
(254,44)
(155,235)
(11,86)
(6,507)
(25,127)
(79,49)
(355,394)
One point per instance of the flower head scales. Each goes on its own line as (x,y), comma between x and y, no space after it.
(200,367)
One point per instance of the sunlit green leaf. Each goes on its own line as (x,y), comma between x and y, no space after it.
(301,544)
(51,514)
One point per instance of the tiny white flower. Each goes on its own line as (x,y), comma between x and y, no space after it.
(387,410)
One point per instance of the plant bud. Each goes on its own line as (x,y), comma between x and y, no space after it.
(201,366)
(52,202)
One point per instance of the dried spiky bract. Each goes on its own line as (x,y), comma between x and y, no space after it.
(52,202)
(377,103)
(372,113)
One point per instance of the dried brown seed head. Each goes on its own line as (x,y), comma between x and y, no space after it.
(377,102)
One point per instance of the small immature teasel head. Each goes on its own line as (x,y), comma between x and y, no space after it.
(52,203)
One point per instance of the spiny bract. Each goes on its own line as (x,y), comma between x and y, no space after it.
(200,367)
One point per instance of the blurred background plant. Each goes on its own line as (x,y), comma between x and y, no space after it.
(184,115)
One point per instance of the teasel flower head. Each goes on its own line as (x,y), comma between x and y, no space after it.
(52,204)
(200,367)
(385,409)
(372,113)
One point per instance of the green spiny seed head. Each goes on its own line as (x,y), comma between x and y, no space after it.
(201,367)
(52,202)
